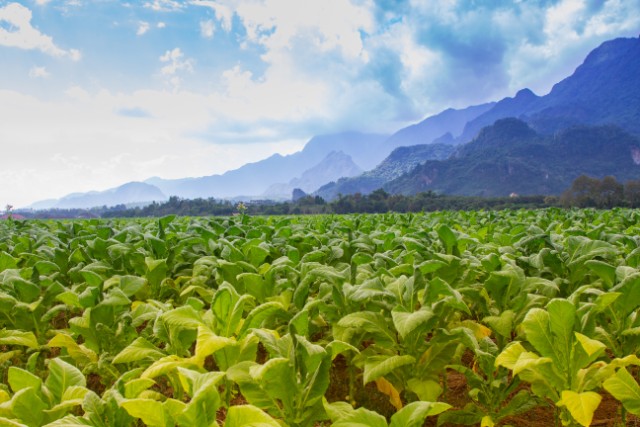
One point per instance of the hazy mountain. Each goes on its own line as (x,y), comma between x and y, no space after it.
(335,165)
(605,89)
(510,157)
(130,193)
(449,122)
(400,161)
(254,179)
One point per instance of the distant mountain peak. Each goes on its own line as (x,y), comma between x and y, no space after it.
(525,93)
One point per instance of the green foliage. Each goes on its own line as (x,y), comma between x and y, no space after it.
(174,321)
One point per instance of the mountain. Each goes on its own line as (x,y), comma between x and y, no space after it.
(449,122)
(604,89)
(510,157)
(130,193)
(335,165)
(400,161)
(254,179)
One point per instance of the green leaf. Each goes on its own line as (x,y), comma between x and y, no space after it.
(258,315)
(510,355)
(131,285)
(133,388)
(405,322)
(536,326)
(361,417)
(503,324)
(623,387)
(62,375)
(605,271)
(151,412)
(426,390)
(414,414)
(68,421)
(379,366)
(248,416)
(27,406)
(14,337)
(337,410)
(140,349)
(581,406)
(79,353)
(208,343)
(20,379)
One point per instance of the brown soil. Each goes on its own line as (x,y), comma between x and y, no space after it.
(94,383)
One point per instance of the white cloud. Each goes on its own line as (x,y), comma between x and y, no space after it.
(38,72)
(164,5)
(207,28)
(223,12)
(567,32)
(42,2)
(176,65)
(19,33)
(53,158)
(143,27)
(161,25)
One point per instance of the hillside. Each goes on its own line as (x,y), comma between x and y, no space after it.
(510,157)
(400,161)
(604,89)
(449,122)
(130,193)
(336,165)
(254,179)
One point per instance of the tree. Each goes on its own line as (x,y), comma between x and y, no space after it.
(610,192)
(632,193)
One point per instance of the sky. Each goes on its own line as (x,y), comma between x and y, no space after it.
(97,93)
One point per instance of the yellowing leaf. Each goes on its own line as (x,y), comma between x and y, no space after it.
(487,422)
(479,331)
(387,388)
(581,406)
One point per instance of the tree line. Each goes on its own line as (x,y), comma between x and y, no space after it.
(605,193)
(585,192)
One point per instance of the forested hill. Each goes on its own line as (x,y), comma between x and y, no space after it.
(509,157)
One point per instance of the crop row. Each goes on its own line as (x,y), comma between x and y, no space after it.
(326,320)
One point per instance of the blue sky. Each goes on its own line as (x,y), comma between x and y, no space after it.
(97,93)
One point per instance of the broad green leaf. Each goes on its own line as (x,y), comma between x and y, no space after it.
(248,416)
(581,406)
(133,388)
(151,412)
(68,421)
(165,365)
(20,379)
(503,324)
(379,366)
(208,343)
(27,406)
(139,349)
(562,315)
(426,390)
(15,337)
(623,387)
(62,375)
(337,410)
(510,355)
(405,322)
(79,353)
(361,417)
(414,414)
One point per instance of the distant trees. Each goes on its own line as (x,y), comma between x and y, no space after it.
(605,193)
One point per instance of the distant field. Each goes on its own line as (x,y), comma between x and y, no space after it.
(448,318)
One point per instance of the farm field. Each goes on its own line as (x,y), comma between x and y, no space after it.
(523,318)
